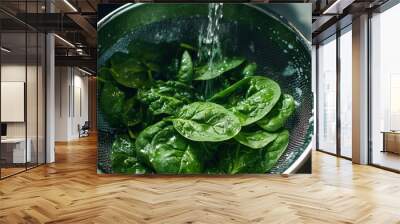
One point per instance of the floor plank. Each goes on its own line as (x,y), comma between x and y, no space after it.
(70,191)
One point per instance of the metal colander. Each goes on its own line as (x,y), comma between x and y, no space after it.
(279,50)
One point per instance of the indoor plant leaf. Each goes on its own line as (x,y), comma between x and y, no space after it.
(205,121)
(279,114)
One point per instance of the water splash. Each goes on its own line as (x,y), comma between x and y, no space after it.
(209,44)
(209,41)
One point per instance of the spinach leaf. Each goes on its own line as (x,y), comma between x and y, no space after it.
(143,142)
(166,97)
(123,157)
(250,69)
(132,112)
(205,121)
(279,114)
(120,112)
(153,53)
(112,103)
(207,72)
(185,73)
(255,140)
(128,71)
(236,158)
(250,99)
(174,154)
(104,75)
(123,144)
(273,152)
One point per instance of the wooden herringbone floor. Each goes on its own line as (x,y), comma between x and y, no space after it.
(70,191)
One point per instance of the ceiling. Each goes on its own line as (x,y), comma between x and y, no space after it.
(75,21)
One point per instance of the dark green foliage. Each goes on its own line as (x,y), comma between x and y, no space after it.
(185,73)
(128,71)
(123,157)
(144,141)
(255,140)
(236,158)
(166,97)
(173,116)
(279,114)
(173,153)
(250,69)
(119,110)
(205,72)
(205,121)
(250,99)
(274,151)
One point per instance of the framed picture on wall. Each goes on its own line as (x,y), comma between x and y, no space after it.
(203,89)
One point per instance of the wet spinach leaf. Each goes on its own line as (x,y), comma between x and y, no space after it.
(120,112)
(207,72)
(250,69)
(166,97)
(273,152)
(279,114)
(148,95)
(185,73)
(255,140)
(143,142)
(175,154)
(205,121)
(123,157)
(250,99)
(129,71)
(235,158)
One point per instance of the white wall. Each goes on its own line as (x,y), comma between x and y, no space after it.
(71,103)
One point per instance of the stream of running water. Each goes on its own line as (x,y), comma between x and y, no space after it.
(209,44)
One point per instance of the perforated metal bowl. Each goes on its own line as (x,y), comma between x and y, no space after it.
(279,50)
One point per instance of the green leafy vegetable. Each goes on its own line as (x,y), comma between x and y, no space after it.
(166,97)
(250,69)
(120,111)
(236,158)
(128,71)
(172,153)
(207,72)
(229,121)
(250,99)
(273,152)
(255,140)
(279,114)
(204,121)
(143,142)
(123,157)
(185,73)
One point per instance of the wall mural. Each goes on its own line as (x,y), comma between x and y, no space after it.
(203,89)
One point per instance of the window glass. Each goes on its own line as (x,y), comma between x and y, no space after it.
(327,96)
(385,89)
(346,93)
